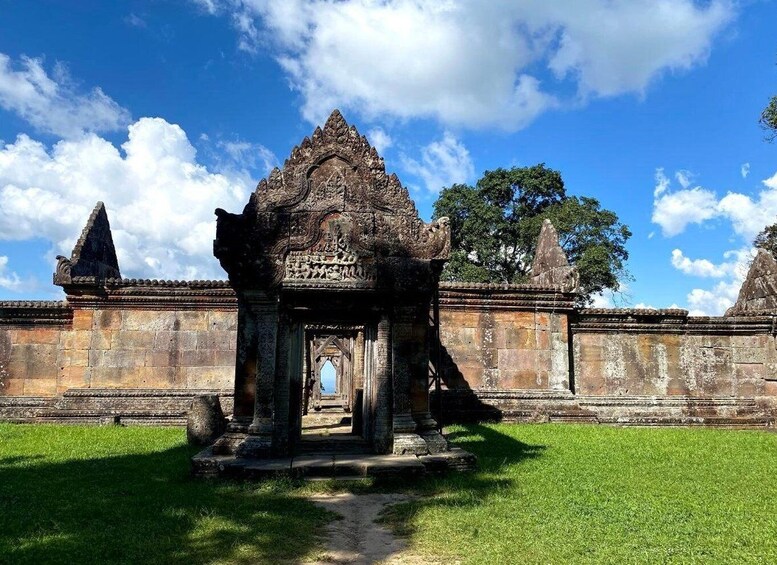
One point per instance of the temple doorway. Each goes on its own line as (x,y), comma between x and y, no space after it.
(332,392)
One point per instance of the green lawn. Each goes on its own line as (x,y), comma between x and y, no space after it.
(123,495)
(577,494)
(543,493)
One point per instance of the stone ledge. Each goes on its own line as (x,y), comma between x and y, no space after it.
(327,465)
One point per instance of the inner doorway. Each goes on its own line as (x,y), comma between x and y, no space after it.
(332,392)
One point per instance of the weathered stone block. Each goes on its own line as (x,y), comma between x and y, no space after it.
(40,387)
(168,340)
(41,336)
(205,420)
(149,320)
(133,339)
(214,339)
(102,339)
(222,321)
(107,319)
(73,377)
(82,339)
(12,387)
(208,377)
(193,321)
(749,355)
(83,319)
(33,361)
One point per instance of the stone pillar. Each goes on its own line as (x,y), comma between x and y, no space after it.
(419,386)
(403,348)
(245,368)
(264,311)
(380,402)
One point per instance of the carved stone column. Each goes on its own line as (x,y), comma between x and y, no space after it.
(419,386)
(381,388)
(264,311)
(406,440)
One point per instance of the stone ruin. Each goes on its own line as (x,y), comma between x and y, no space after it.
(330,267)
(330,251)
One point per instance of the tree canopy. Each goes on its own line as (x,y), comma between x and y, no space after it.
(495,225)
(769,119)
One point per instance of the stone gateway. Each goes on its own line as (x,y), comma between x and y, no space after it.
(330,252)
(334,304)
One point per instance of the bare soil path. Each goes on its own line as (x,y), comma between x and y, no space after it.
(357,538)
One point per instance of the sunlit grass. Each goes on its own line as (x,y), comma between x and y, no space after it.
(541,494)
(573,494)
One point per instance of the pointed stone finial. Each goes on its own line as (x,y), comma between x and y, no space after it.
(94,254)
(758,294)
(335,121)
(550,266)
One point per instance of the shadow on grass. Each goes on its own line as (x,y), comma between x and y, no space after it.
(146,509)
(496,453)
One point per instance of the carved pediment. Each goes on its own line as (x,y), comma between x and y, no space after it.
(334,260)
(335,173)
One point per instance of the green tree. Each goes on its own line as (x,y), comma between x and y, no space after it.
(767,239)
(495,225)
(769,119)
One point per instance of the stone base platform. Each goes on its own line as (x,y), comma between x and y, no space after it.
(331,465)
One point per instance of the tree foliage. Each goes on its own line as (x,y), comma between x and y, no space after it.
(495,225)
(769,119)
(767,239)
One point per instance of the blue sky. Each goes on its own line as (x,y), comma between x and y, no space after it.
(166,110)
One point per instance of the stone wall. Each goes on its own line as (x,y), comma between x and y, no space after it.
(144,348)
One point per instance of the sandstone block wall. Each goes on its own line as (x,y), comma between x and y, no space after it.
(507,352)
(618,353)
(118,348)
(487,349)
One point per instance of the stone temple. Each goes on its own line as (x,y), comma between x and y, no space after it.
(332,275)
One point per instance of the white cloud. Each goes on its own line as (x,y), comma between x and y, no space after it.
(748,214)
(379,139)
(238,156)
(674,211)
(684,178)
(744,170)
(714,302)
(697,267)
(443,163)
(733,270)
(160,200)
(472,63)
(8,279)
(53,104)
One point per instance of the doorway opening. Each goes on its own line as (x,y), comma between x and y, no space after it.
(333,377)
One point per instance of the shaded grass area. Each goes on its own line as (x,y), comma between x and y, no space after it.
(123,495)
(575,494)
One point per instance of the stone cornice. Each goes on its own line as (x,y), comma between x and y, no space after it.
(35,312)
(670,321)
(485,296)
(152,294)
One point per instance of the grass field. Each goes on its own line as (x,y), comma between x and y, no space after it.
(543,493)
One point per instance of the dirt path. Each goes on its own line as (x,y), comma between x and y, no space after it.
(357,538)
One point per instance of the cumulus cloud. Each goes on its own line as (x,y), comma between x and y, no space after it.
(53,104)
(715,301)
(379,139)
(160,200)
(732,270)
(697,267)
(480,62)
(747,214)
(8,279)
(443,162)
(673,211)
(744,170)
